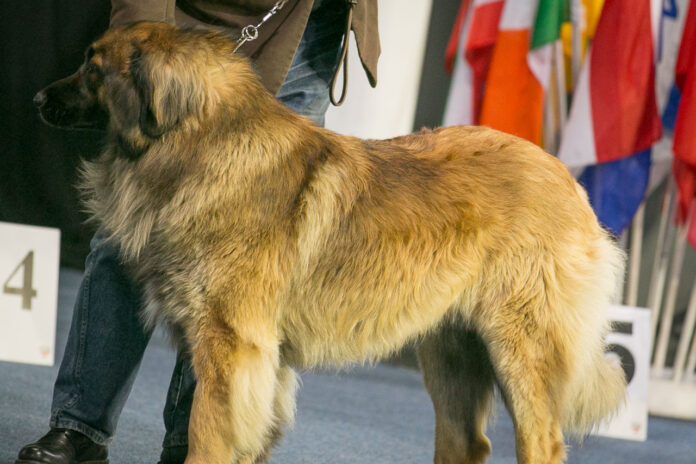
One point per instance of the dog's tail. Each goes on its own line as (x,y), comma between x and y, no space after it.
(597,385)
(597,396)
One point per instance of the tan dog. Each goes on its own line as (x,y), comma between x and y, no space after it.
(272,244)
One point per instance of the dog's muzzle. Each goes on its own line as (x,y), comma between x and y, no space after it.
(64,104)
(39,99)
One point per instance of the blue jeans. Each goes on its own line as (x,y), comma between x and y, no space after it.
(106,341)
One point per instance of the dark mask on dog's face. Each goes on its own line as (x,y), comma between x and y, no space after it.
(72,103)
(106,93)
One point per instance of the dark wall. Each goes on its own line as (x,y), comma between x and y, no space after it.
(41,41)
(434,83)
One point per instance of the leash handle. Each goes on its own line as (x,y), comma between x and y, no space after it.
(343,61)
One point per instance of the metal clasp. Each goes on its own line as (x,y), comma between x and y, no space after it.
(251,32)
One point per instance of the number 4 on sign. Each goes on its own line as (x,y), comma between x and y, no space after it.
(26,290)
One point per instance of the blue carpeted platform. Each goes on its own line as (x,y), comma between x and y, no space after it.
(368,415)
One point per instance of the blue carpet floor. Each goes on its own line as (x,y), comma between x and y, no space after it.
(366,415)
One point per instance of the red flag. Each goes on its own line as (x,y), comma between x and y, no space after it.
(477,35)
(685,78)
(614,112)
(685,128)
(479,47)
(453,43)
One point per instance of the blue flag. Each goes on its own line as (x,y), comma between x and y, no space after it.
(617,188)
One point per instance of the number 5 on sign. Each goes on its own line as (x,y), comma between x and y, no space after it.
(629,344)
(29,258)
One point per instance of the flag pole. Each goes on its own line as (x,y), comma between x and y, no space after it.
(576,56)
(622,241)
(635,255)
(550,118)
(561,89)
(555,108)
(691,361)
(660,263)
(690,319)
(670,303)
(685,338)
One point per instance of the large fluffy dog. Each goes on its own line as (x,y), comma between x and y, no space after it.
(269,243)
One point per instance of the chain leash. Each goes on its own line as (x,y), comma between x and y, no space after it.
(251,32)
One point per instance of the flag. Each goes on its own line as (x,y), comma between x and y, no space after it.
(614,110)
(590,11)
(671,26)
(614,119)
(685,178)
(476,36)
(685,126)
(617,188)
(513,101)
(479,48)
(546,62)
(453,42)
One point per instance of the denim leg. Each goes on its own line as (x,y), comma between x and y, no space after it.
(105,345)
(306,87)
(177,409)
(305,91)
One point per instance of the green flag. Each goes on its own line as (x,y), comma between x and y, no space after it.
(547,27)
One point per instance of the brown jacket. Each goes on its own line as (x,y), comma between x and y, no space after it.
(278,39)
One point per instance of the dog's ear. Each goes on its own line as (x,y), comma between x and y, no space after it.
(166,86)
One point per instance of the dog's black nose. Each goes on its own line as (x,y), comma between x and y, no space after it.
(40,98)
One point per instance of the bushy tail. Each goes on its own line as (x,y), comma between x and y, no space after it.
(597,386)
(597,396)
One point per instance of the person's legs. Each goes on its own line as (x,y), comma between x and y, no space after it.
(105,345)
(306,91)
(104,348)
(177,410)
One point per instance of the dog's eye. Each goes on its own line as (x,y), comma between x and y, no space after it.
(89,53)
(92,76)
(92,68)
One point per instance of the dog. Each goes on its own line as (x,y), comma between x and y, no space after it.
(269,244)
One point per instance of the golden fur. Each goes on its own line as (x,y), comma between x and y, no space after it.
(269,244)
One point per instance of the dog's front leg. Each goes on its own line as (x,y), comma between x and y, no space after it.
(232,416)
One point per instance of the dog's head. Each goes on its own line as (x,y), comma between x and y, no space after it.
(141,81)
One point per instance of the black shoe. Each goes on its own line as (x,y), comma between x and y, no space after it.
(173,455)
(63,446)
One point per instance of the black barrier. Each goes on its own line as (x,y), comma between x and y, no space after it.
(40,42)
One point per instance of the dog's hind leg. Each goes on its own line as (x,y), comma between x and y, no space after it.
(531,370)
(232,416)
(458,375)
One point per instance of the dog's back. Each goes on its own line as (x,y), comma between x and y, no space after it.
(455,230)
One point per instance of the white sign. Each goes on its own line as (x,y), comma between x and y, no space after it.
(629,342)
(29,260)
